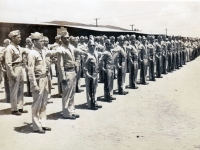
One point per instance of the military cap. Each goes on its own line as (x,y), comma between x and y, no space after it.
(57,37)
(64,33)
(151,37)
(139,37)
(13,33)
(36,36)
(159,37)
(112,38)
(121,37)
(82,38)
(107,41)
(6,41)
(132,37)
(28,39)
(143,37)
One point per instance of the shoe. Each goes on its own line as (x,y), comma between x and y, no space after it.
(46,128)
(112,98)
(17,113)
(40,131)
(138,82)
(23,111)
(135,87)
(78,91)
(49,102)
(94,108)
(52,87)
(76,115)
(98,106)
(145,83)
(70,117)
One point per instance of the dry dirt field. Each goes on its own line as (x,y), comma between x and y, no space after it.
(164,115)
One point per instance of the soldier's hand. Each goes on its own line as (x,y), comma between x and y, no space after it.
(14,77)
(37,89)
(119,67)
(64,82)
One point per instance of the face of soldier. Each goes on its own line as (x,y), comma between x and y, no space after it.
(121,41)
(29,43)
(91,46)
(39,43)
(108,46)
(59,41)
(46,42)
(16,39)
(65,39)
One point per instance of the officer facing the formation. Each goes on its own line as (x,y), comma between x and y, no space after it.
(107,65)
(133,62)
(91,76)
(152,51)
(121,66)
(66,66)
(13,61)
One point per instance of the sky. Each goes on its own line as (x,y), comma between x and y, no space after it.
(178,17)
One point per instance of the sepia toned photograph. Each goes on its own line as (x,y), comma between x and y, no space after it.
(99,75)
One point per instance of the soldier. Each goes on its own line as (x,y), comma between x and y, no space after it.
(180,51)
(29,46)
(133,62)
(66,65)
(39,81)
(169,54)
(78,66)
(121,66)
(152,51)
(164,56)
(91,76)
(107,64)
(177,52)
(3,69)
(13,61)
(48,67)
(112,40)
(159,48)
(143,56)
(173,54)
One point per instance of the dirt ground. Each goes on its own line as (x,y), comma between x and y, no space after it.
(163,115)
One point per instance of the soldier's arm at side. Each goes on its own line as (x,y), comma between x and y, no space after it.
(31,73)
(85,68)
(61,66)
(8,62)
(101,60)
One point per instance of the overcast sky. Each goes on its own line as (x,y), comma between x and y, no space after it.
(179,18)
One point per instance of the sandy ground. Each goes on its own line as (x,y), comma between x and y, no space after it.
(163,115)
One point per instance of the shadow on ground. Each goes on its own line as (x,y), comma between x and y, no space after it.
(81,106)
(55,116)
(6,111)
(24,129)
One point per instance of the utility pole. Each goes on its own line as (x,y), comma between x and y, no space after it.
(96,21)
(166,32)
(132,26)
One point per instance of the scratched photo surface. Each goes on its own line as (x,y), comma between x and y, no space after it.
(163,115)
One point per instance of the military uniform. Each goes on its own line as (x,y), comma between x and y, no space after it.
(13,61)
(107,64)
(158,59)
(151,58)
(133,65)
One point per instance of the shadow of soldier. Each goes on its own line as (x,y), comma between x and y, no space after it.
(24,129)
(6,111)
(55,116)
(82,106)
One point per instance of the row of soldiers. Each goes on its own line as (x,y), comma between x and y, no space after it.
(97,59)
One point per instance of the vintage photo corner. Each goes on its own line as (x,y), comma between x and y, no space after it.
(99,75)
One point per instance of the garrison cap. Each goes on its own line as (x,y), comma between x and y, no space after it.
(57,37)
(107,41)
(121,37)
(28,39)
(13,33)
(64,33)
(36,36)
(132,37)
(82,38)
(112,38)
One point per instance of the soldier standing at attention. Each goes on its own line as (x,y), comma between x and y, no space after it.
(121,66)
(133,62)
(152,51)
(173,53)
(13,61)
(91,76)
(107,64)
(143,56)
(39,81)
(159,47)
(112,40)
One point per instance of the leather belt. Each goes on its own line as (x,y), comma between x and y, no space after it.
(69,69)
(41,76)
(17,64)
